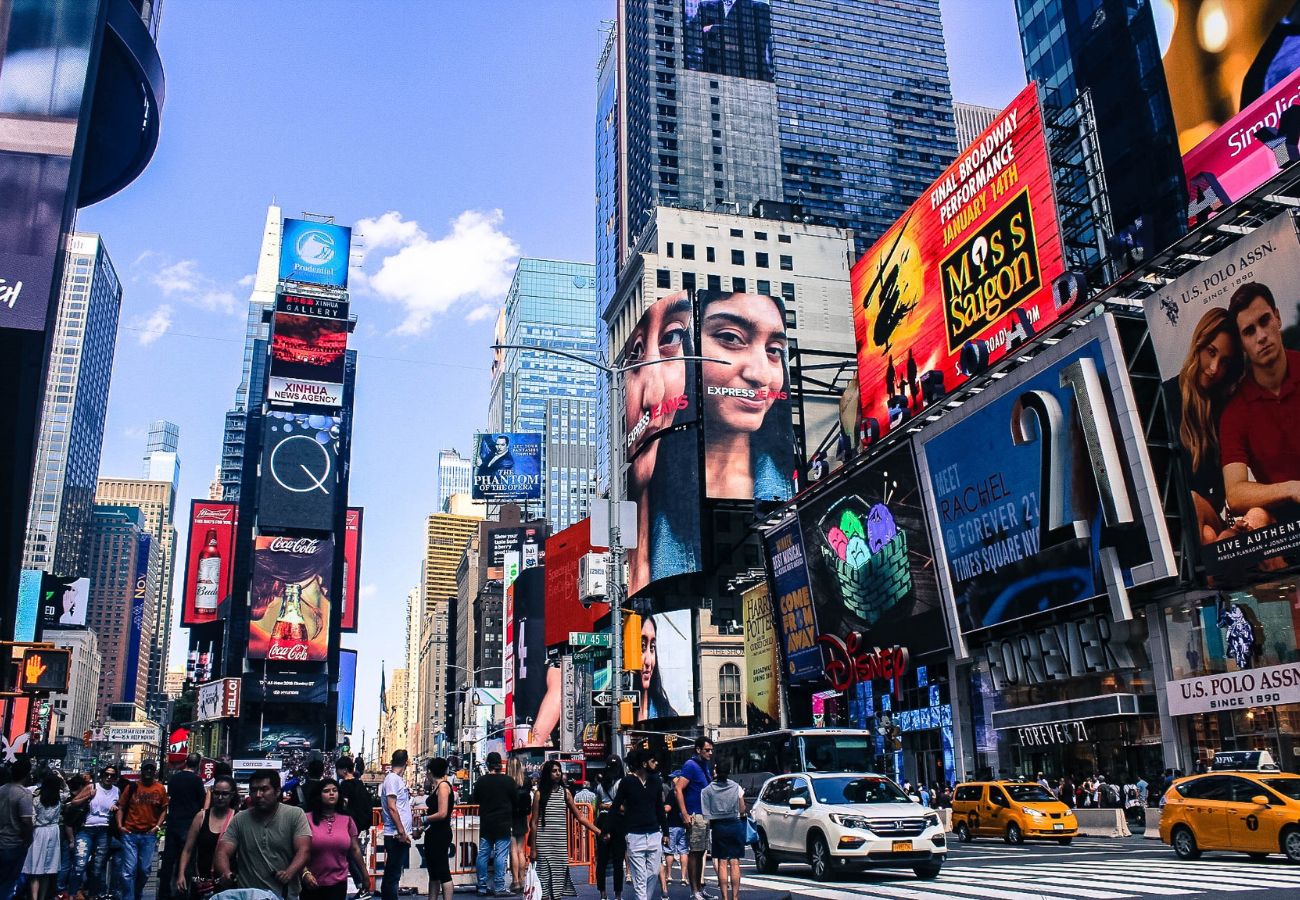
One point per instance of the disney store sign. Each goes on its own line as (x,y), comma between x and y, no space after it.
(1268,686)
(849,660)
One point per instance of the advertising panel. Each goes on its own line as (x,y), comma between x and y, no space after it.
(1040,489)
(289,616)
(792,604)
(135,634)
(299,471)
(871,568)
(27,612)
(729,38)
(538,681)
(762,663)
(659,396)
(964,277)
(666,687)
(64,602)
(217,700)
(315,253)
(307,356)
(320,307)
(527,542)
(508,653)
(1224,333)
(748,426)
(565,611)
(286,687)
(508,467)
(351,593)
(210,562)
(347,689)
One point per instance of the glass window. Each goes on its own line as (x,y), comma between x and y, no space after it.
(783,238)
(760,235)
(688,251)
(688,281)
(663,278)
(764,287)
(715,282)
(787,263)
(760,260)
(730,696)
(709,255)
(670,249)
(1029,793)
(858,790)
(737,232)
(1212,787)
(738,285)
(737,257)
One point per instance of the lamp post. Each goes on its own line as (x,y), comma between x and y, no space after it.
(616,586)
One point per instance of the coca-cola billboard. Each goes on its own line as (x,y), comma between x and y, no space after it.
(209,562)
(351,568)
(289,604)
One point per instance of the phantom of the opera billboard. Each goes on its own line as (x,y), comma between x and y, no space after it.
(508,467)
(964,277)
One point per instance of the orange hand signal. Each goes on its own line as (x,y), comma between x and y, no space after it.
(34,668)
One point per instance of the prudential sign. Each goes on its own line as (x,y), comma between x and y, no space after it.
(315,253)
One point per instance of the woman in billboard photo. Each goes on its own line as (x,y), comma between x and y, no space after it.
(748,435)
(666,645)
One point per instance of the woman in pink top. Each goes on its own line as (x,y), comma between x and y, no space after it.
(333,839)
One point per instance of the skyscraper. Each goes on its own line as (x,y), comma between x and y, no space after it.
(971,119)
(455,476)
(76,398)
(161,461)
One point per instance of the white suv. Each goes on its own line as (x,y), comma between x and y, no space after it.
(845,820)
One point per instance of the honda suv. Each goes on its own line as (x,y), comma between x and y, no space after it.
(842,821)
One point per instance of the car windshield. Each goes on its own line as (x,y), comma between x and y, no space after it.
(1287,787)
(1029,793)
(851,789)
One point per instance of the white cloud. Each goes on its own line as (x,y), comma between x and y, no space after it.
(247,280)
(482,312)
(428,276)
(178,278)
(184,281)
(369,591)
(154,326)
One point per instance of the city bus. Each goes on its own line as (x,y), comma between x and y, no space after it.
(757,757)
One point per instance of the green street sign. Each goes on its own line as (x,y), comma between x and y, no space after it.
(589,639)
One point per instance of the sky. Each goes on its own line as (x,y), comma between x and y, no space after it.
(455,143)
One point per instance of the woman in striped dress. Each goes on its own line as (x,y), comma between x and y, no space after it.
(552,806)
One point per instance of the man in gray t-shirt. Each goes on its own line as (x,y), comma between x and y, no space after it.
(269,841)
(15,825)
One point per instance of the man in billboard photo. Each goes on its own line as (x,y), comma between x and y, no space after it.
(495,458)
(748,435)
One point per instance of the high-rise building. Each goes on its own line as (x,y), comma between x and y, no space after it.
(161,460)
(551,304)
(77,706)
(393,720)
(76,399)
(971,119)
(455,476)
(446,537)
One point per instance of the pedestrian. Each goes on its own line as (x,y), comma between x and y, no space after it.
(1066,791)
(549,831)
(1087,791)
(93,841)
(676,848)
(195,872)
(395,810)
(80,790)
(1044,784)
(16,826)
(360,807)
(583,794)
(696,774)
(310,784)
(519,825)
(611,846)
(922,791)
(496,794)
(333,844)
(140,814)
(723,803)
(42,863)
(437,834)
(639,802)
(267,845)
(185,798)
(1143,789)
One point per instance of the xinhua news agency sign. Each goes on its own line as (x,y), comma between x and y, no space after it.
(1268,686)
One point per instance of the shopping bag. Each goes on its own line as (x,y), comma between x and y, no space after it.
(532,884)
(751,833)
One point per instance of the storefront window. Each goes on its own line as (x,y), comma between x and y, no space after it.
(1218,633)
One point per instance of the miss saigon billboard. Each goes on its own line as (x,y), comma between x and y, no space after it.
(965,276)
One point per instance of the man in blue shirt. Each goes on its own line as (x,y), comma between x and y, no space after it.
(695,777)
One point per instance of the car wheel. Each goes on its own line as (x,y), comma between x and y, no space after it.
(928,872)
(1291,844)
(1184,843)
(964,834)
(1258,857)
(1014,834)
(819,857)
(763,859)
(1064,841)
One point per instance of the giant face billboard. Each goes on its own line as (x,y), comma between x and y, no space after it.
(748,429)
(666,687)
(307,358)
(289,605)
(729,38)
(210,562)
(351,593)
(508,467)
(1226,336)
(315,253)
(964,277)
(1040,490)
(300,476)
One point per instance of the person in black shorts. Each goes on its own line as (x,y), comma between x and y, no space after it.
(437,835)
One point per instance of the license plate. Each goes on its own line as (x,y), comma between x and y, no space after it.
(1058,826)
(902,846)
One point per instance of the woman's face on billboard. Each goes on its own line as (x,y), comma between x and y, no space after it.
(649,652)
(746,330)
(654,393)
(1214,358)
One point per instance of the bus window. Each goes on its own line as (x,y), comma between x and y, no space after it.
(840,753)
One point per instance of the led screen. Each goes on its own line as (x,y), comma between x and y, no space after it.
(289,605)
(729,38)
(315,253)
(300,462)
(666,686)
(210,562)
(351,593)
(307,359)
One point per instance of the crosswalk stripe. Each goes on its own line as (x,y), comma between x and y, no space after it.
(1197,870)
(931,889)
(1242,874)
(1237,880)
(1070,884)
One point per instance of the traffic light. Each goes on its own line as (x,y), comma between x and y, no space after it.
(632,642)
(85,738)
(44,670)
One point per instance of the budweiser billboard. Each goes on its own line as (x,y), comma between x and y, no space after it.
(351,568)
(210,562)
(289,614)
(964,277)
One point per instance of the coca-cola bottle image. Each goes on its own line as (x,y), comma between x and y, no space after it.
(207,585)
(289,634)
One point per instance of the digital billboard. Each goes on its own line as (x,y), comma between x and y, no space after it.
(1040,491)
(666,686)
(1227,341)
(565,612)
(307,358)
(658,396)
(299,471)
(27,613)
(347,689)
(964,277)
(792,605)
(64,602)
(762,662)
(748,427)
(508,467)
(218,699)
(538,688)
(315,253)
(320,307)
(350,595)
(286,687)
(289,604)
(527,541)
(210,562)
(135,633)
(729,38)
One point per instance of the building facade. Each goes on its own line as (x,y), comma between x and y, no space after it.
(971,120)
(77,708)
(455,476)
(162,461)
(76,400)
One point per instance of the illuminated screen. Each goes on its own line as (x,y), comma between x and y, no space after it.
(289,611)
(666,686)
(300,475)
(508,467)
(210,562)
(729,38)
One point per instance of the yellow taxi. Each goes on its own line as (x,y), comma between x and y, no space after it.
(1245,803)
(1011,810)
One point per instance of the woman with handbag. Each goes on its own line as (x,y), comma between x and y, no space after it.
(333,841)
(42,863)
(199,880)
(437,834)
(723,804)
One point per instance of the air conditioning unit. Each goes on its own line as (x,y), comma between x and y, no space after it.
(593,576)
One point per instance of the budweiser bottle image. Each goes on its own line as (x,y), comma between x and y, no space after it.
(208,583)
(289,635)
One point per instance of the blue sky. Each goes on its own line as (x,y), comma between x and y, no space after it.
(461,136)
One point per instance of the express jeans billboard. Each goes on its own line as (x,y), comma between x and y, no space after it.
(300,465)
(508,467)
(315,253)
(1040,489)
(289,612)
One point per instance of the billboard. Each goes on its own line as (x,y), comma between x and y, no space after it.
(659,396)
(964,277)
(508,467)
(666,686)
(320,307)
(564,610)
(748,425)
(300,462)
(871,565)
(527,541)
(218,699)
(792,605)
(347,689)
(28,610)
(315,253)
(538,688)
(210,562)
(732,39)
(64,602)
(286,687)
(135,634)
(1039,489)
(762,662)
(307,357)
(350,595)
(289,612)
(1226,336)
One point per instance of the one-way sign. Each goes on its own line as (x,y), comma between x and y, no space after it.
(602,698)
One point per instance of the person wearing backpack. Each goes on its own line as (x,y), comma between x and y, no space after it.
(139,818)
